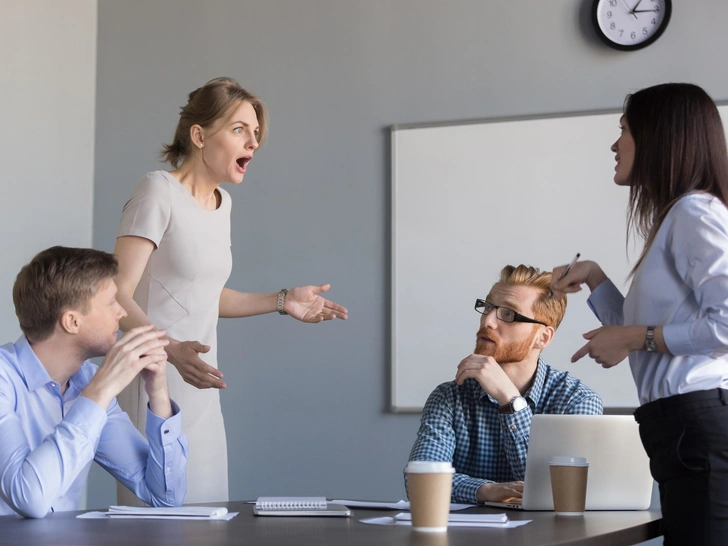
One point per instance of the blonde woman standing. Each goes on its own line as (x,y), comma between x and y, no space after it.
(174,255)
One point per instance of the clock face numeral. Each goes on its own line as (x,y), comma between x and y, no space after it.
(631,24)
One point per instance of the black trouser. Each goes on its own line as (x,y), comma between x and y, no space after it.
(686,439)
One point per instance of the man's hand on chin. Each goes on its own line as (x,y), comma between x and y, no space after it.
(489,374)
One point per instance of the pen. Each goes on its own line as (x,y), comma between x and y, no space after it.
(568,268)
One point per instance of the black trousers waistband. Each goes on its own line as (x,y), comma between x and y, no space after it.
(664,406)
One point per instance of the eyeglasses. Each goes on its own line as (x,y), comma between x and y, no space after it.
(503,313)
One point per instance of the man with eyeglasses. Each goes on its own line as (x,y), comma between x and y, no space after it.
(481,421)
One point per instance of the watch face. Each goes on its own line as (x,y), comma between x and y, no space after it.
(630,24)
(519,403)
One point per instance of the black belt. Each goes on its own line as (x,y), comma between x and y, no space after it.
(670,404)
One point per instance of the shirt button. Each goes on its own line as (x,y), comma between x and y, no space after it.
(505,427)
(513,427)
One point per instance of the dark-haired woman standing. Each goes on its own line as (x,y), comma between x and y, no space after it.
(673,323)
(174,258)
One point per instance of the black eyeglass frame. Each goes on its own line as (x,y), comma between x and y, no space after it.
(517,317)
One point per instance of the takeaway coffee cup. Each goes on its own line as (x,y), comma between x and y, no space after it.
(430,486)
(568,484)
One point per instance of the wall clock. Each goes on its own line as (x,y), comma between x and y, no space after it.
(628,25)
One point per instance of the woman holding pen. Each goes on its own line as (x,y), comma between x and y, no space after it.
(174,256)
(673,323)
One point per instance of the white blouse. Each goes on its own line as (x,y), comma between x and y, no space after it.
(682,285)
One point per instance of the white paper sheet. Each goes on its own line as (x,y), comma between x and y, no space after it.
(105,515)
(394,521)
(400,505)
(462,518)
(195,511)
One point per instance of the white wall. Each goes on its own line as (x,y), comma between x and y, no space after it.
(47,107)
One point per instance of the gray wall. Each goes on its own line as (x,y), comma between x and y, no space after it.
(306,404)
(47,87)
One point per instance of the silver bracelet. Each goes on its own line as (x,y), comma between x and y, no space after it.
(281,301)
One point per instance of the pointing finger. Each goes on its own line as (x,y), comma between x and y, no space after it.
(580,353)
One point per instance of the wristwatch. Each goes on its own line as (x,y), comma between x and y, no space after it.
(650,345)
(517,403)
(281,301)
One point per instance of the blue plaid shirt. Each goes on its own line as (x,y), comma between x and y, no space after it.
(461,424)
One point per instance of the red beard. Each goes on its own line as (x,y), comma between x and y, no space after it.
(502,352)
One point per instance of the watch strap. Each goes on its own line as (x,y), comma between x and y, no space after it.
(281,301)
(650,345)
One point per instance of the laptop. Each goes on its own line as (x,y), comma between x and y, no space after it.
(619,470)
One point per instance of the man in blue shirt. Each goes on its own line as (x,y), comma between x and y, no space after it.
(481,421)
(58,413)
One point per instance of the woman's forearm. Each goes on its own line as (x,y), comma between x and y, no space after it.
(234,304)
(134,314)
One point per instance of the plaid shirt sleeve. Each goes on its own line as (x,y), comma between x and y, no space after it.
(436,442)
(590,403)
(518,431)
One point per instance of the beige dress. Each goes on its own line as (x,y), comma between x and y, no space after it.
(180,292)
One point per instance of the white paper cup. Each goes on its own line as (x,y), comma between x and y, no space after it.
(430,487)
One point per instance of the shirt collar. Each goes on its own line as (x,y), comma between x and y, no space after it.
(534,393)
(32,369)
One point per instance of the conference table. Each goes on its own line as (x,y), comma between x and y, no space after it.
(63,528)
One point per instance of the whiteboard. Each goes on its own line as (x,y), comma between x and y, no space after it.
(468,199)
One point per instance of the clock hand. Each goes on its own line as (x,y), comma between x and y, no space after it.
(634,9)
(645,11)
(631,10)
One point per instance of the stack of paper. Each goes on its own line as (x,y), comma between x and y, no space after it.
(145,512)
(399,505)
(499,521)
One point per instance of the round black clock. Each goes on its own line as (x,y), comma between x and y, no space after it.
(630,24)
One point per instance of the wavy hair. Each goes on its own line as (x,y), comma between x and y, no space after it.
(547,309)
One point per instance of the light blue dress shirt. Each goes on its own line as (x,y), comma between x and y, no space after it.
(682,285)
(48,441)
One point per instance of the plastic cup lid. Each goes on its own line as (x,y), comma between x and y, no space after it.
(427,467)
(568,461)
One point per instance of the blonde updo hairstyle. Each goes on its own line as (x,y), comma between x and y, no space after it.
(205,106)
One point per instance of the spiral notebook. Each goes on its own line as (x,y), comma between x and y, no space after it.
(298,506)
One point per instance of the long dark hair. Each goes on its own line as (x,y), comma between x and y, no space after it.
(680,148)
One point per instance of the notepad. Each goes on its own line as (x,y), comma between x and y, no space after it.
(298,506)
(290,503)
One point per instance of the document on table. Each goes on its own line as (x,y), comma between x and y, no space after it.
(495,521)
(182,512)
(400,505)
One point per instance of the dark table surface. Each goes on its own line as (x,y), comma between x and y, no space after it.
(598,528)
